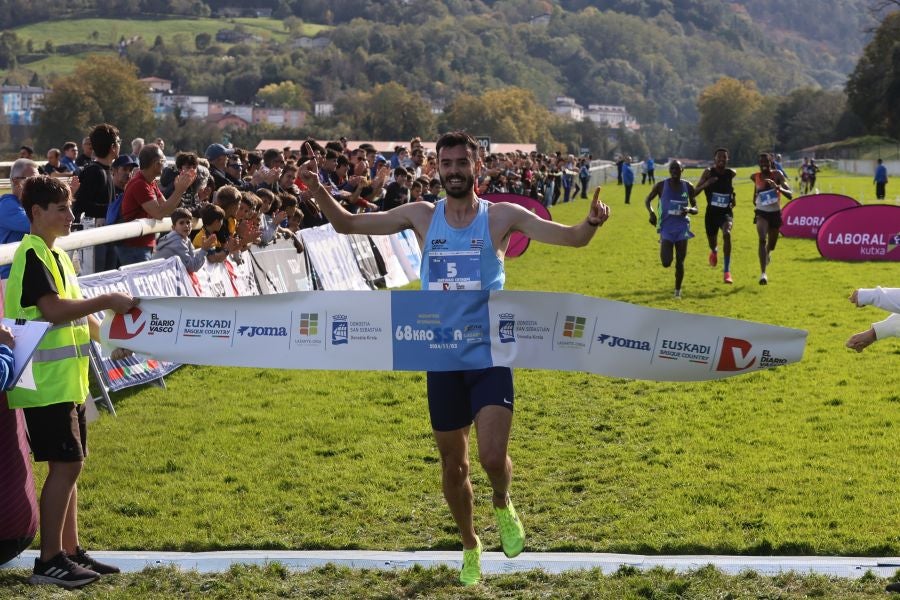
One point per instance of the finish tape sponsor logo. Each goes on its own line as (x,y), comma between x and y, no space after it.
(259,330)
(738,355)
(473,333)
(507,328)
(131,324)
(214,328)
(340,334)
(573,332)
(307,332)
(614,341)
(344,331)
(127,325)
(735,355)
(523,329)
(685,350)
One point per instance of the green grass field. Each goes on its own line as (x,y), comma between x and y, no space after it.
(109,31)
(795,460)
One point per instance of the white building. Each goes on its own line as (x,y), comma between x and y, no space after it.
(567,107)
(611,115)
(18,103)
(323,109)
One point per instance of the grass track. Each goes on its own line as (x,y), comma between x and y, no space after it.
(797,460)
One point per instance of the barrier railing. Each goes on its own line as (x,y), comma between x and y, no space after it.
(98,235)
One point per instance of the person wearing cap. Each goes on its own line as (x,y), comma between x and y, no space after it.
(217,155)
(122,170)
(376,163)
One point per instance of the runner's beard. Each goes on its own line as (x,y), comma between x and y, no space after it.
(467,186)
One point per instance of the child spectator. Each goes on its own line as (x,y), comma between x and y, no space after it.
(176,242)
(213,218)
(434,191)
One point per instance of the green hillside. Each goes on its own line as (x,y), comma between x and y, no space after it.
(74,40)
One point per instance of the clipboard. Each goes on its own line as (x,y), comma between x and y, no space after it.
(27,337)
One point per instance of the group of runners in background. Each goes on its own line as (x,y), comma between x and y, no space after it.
(677,201)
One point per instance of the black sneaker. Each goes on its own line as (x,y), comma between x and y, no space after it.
(61,571)
(83,559)
(894,586)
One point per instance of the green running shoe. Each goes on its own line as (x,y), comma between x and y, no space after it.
(471,570)
(512,534)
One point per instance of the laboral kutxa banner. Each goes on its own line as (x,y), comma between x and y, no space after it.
(804,215)
(870,232)
(443,331)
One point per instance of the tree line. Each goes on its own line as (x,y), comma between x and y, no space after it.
(665,60)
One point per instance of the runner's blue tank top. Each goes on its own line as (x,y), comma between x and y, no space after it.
(672,201)
(460,259)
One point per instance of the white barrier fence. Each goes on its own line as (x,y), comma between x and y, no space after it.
(99,235)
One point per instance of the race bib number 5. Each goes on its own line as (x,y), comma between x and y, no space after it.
(454,270)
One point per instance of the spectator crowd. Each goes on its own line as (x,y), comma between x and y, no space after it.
(227,199)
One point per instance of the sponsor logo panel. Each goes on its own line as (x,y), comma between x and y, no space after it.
(211,328)
(345,330)
(624,343)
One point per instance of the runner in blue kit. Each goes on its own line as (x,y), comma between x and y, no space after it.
(464,240)
(676,202)
(717,183)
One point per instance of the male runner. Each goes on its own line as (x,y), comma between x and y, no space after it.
(717,183)
(676,201)
(768,186)
(459,398)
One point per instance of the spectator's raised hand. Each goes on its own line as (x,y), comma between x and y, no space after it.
(208,242)
(381,176)
(309,171)
(271,176)
(184,179)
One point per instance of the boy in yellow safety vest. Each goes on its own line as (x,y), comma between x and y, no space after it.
(51,393)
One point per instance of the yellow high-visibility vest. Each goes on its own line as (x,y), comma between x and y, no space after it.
(59,366)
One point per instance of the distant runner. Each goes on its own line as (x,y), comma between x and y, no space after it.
(769,186)
(717,183)
(676,201)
